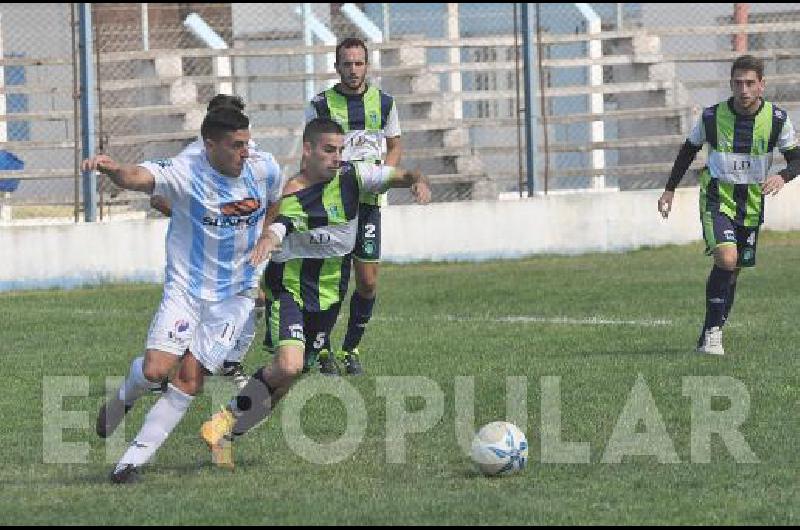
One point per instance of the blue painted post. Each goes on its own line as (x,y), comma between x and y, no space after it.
(87,91)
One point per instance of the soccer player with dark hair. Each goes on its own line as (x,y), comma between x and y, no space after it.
(742,134)
(219,199)
(310,245)
(232,367)
(369,118)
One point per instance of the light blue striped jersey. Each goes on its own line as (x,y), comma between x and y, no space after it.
(216,221)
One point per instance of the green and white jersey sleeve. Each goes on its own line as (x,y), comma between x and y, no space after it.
(373,178)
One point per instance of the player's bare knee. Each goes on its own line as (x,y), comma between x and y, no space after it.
(367,286)
(293,368)
(155,371)
(158,365)
(190,375)
(367,279)
(367,290)
(290,364)
(728,264)
(189,381)
(726,258)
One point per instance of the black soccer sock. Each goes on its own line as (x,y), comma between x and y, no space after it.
(360,313)
(717,293)
(252,405)
(729,301)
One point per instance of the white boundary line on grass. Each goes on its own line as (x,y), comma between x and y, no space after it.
(507,319)
(532,319)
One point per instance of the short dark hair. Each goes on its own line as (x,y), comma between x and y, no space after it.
(225,100)
(750,63)
(223,120)
(352,42)
(319,126)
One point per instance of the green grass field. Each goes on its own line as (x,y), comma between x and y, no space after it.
(595,321)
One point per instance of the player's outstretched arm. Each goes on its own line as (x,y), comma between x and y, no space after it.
(127,176)
(684,159)
(272,235)
(415,181)
(774,183)
(394,151)
(269,242)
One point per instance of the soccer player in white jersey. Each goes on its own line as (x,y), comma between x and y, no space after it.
(232,367)
(217,102)
(219,200)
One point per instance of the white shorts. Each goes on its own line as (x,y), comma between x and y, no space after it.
(245,340)
(207,329)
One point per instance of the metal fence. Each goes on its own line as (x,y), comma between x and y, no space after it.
(617,86)
(37,107)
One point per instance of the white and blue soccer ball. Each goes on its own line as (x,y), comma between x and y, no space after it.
(499,448)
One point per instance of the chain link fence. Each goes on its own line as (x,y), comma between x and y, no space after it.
(37,110)
(621,85)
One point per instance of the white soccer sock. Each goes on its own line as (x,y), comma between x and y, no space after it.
(135,384)
(159,422)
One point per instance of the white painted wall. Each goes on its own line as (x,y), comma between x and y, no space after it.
(79,254)
(70,255)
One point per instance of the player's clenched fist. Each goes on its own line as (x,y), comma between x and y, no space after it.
(103,163)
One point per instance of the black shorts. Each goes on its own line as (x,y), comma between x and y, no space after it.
(290,324)
(719,230)
(368,240)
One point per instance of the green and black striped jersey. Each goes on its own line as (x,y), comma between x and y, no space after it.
(740,154)
(321,222)
(366,118)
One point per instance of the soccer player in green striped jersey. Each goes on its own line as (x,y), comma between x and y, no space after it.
(369,119)
(742,134)
(309,243)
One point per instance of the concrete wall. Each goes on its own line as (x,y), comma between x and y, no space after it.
(70,255)
(555,224)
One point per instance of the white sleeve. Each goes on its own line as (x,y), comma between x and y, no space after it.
(698,135)
(271,175)
(392,128)
(373,178)
(169,180)
(276,181)
(787,140)
(310,113)
(193,148)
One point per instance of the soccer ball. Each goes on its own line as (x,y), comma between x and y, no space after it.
(499,448)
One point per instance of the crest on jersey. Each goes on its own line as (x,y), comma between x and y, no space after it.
(179,331)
